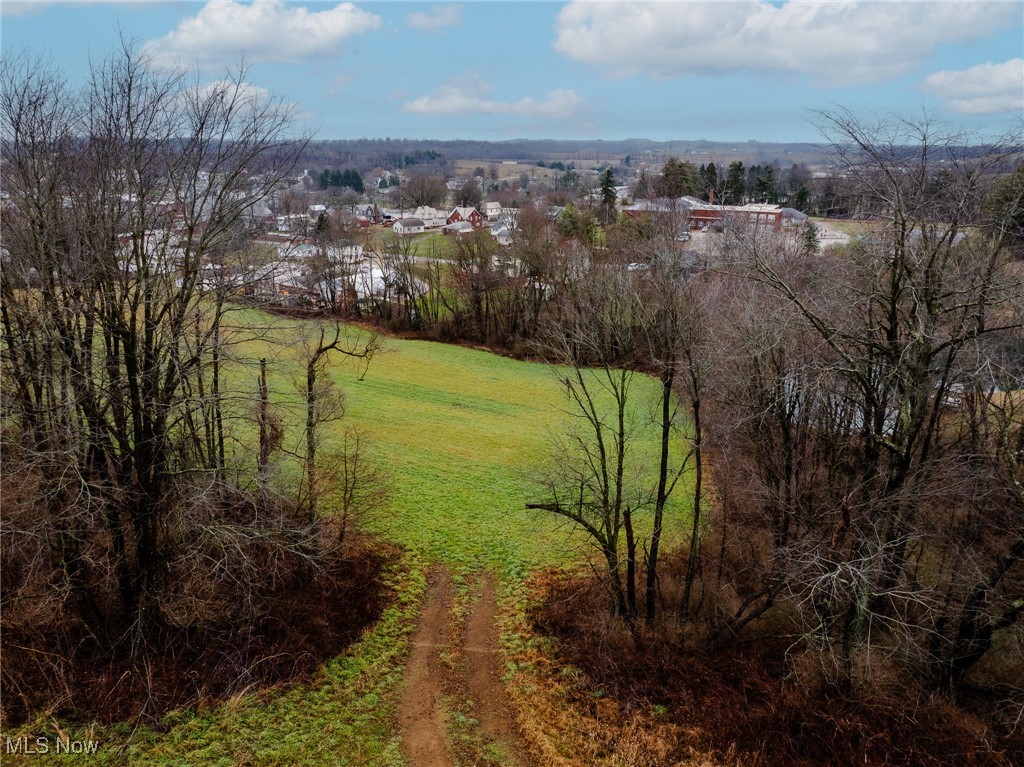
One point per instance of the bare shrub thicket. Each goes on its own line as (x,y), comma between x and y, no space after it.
(858,410)
(130,518)
(876,403)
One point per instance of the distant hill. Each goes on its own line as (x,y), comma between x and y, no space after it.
(400,153)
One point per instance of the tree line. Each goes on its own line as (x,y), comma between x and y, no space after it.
(142,509)
(344,179)
(857,410)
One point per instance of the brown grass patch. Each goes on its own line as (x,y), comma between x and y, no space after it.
(600,694)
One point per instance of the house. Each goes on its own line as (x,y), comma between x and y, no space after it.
(492,210)
(431,217)
(292,222)
(365,211)
(344,251)
(469,215)
(368,280)
(793,217)
(369,211)
(258,216)
(502,232)
(459,228)
(408,226)
(503,229)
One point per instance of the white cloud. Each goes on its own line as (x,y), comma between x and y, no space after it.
(468,95)
(843,41)
(438,17)
(982,90)
(243,93)
(8,8)
(265,30)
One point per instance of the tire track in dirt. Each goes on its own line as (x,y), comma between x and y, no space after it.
(420,712)
(431,685)
(483,674)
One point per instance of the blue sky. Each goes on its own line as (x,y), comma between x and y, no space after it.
(730,71)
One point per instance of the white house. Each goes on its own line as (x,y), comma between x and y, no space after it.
(492,210)
(294,222)
(343,252)
(408,226)
(431,217)
(502,232)
(369,279)
(459,228)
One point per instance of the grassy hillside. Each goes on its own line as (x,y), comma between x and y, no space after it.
(462,433)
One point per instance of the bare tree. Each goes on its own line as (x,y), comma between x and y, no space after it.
(121,199)
(323,402)
(676,298)
(362,487)
(854,443)
(615,324)
(423,190)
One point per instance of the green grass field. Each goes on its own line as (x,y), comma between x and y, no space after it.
(462,434)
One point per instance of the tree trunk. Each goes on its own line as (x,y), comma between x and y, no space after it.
(698,485)
(311,480)
(263,460)
(667,379)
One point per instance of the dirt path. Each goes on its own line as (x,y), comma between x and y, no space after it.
(471,676)
(483,665)
(420,714)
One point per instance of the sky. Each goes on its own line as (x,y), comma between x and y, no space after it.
(727,71)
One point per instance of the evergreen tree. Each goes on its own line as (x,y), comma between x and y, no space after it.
(764,186)
(679,178)
(709,177)
(351,179)
(1005,207)
(734,184)
(578,224)
(753,173)
(640,228)
(608,196)
(810,237)
(802,198)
